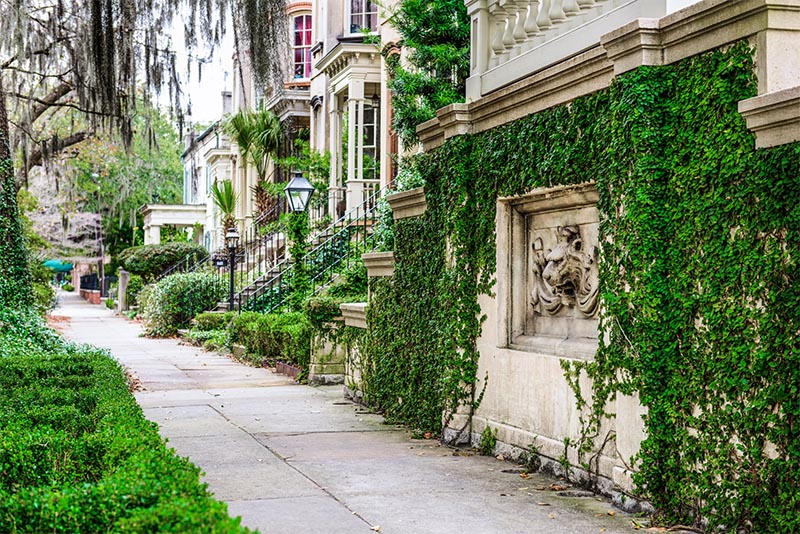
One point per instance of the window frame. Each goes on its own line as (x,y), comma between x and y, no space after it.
(351,29)
(307,31)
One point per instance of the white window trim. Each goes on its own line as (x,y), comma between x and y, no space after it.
(349,16)
(292,46)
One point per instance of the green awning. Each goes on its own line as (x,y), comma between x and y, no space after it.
(59,266)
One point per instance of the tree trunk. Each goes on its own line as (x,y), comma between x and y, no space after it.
(15,278)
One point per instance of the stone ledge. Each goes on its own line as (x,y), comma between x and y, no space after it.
(355,314)
(698,28)
(379,263)
(773,117)
(405,204)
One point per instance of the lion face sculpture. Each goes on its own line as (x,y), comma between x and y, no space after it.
(566,275)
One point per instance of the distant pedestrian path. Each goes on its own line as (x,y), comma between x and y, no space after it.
(294,459)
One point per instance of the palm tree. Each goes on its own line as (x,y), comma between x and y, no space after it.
(258,134)
(225,199)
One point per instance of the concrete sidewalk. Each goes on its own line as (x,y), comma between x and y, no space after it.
(295,459)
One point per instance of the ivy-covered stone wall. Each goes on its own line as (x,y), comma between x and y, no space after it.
(700,239)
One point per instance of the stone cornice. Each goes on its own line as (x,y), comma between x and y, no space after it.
(345,54)
(379,264)
(354,314)
(774,117)
(407,204)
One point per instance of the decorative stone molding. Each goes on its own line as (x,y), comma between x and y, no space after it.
(355,314)
(407,204)
(774,117)
(547,288)
(379,263)
(773,25)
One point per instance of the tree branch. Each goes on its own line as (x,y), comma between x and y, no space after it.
(50,100)
(54,146)
(63,105)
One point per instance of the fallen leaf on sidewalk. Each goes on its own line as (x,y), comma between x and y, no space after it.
(524,475)
(556,487)
(612,513)
(551,516)
(376,528)
(543,503)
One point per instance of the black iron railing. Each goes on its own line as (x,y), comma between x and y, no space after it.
(332,249)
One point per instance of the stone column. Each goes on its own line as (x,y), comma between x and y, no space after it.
(122,290)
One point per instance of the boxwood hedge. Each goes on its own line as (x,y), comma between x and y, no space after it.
(76,453)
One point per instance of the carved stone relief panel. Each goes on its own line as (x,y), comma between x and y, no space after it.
(550,271)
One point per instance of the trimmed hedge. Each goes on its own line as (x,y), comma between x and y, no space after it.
(76,453)
(172,302)
(284,336)
(213,321)
(149,261)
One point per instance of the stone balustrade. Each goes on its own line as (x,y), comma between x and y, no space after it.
(512,39)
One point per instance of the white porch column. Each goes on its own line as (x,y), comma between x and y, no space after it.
(335,148)
(355,131)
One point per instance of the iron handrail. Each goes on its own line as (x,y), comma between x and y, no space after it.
(358,218)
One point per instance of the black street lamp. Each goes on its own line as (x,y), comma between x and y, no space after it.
(232,242)
(298,192)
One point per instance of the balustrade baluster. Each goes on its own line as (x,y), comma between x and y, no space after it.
(510,21)
(557,11)
(586,4)
(521,13)
(498,47)
(571,7)
(531,28)
(543,20)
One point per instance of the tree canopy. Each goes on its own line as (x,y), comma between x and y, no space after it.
(96,59)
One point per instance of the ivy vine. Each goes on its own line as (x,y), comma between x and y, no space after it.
(700,237)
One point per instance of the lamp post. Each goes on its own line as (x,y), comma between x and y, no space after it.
(298,193)
(231,241)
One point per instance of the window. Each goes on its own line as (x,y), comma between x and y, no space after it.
(371,153)
(363,16)
(301,47)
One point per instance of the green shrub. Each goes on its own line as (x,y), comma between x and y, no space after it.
(213,321)
(210,339)
(69,288)
(135,285)
(44,295)
(76,453)
(149,261)
(110,303)
(285,336)
(174,301)
(488,441)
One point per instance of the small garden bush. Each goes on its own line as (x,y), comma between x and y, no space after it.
(76,453)
(172,302)
(135,285)
(210,339)
(149,261)
(69,288)
(213,321)
(285,337)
